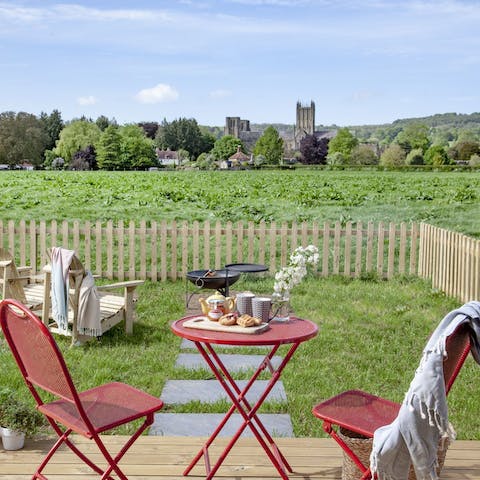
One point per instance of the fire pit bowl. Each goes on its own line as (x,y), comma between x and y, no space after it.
(213,279)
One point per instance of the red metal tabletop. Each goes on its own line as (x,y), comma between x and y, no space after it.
(296,330)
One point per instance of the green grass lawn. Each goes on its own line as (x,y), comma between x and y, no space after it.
(371,337)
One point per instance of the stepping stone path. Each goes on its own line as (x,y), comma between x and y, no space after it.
(178,392)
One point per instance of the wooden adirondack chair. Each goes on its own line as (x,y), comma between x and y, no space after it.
(17,282)
(114,307)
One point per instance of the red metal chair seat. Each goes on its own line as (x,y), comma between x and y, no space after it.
(87,413)
(357,411)
(108,406)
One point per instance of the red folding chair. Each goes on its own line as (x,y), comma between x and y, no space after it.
(362,413)
(88,413)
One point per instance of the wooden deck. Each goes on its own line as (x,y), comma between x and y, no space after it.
(165,458)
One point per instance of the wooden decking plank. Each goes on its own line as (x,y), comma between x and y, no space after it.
(166,457)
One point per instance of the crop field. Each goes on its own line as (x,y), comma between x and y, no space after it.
(447,199)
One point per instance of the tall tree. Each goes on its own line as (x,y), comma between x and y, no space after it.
(137,151)
(314,150)
(103,122)
(270,145)
(226,146)
(343,142)
(53,125)
(85,159)
(413,135)
(183,134)
(415,157)
(76,136)
(363,155)
(22,138)
(463,150)
(150,129)
(436,155)
(108,149)
(393,156)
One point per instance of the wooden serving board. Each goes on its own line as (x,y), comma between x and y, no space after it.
(203,323)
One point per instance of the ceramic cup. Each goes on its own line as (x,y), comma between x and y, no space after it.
(244,302)
(261,308)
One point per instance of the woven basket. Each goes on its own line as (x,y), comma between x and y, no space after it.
(362,447)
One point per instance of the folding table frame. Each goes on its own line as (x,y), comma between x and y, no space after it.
(293,333)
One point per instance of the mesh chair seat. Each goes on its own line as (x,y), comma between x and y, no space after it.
(357,410)
(107,406)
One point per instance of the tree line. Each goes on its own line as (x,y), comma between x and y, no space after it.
(47,141)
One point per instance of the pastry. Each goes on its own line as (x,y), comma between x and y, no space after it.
(246,320)
(228,319)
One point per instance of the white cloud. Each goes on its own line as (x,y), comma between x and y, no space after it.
(77,12)
(158,94)
(87,100)
(220,93)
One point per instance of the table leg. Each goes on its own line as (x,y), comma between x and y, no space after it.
(248,412)
(251,411)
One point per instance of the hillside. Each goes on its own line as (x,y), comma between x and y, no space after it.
(443,122)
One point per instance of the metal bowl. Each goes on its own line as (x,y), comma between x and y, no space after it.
(213,279)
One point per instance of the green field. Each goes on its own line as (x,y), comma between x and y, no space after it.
(447,199)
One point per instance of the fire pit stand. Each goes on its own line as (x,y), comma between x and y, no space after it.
(219,280)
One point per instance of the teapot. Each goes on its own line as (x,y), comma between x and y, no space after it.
(216,305)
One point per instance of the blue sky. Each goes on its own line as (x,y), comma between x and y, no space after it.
(360,61)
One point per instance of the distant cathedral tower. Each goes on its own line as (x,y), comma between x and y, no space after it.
(234,126)
(305,122)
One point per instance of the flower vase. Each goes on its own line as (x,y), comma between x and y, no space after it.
(282,310)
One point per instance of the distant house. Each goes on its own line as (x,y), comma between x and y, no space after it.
(27,166)
(238,159)
(168,157)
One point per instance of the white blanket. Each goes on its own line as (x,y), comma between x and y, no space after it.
(61,259)
(88,322)
(413,437)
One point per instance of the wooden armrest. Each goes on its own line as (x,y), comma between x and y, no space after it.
(24,268)
(20,278)
(127,284)
(5,263)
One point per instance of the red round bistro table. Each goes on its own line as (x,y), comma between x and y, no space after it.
(293,333)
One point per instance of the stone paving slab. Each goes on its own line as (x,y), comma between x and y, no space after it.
(233,362)
(203,424)
(178,392)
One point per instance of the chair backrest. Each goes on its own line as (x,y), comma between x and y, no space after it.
(8,274)
(35,351)
(457,347)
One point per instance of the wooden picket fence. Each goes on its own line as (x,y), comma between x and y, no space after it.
(451,260)
(160,251)
(168,250)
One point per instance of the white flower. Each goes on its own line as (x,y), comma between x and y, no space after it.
(291,275)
